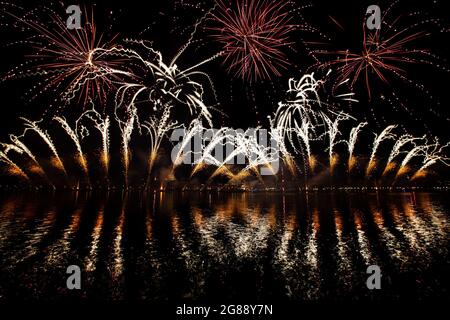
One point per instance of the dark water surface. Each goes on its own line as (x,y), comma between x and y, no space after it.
(224,247)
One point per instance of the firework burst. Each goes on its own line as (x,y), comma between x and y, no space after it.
(161,85)
(253,35)
(78,63)
(384,54)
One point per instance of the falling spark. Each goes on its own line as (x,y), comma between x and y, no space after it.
(302,105)
(19,144)
(255,153)
(278,134)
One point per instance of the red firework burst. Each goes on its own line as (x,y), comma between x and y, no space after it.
(380,55)
(253,35)
(79,61)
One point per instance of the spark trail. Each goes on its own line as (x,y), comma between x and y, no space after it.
(397,150)
(168,85)
(418,150)
(351,143)
(304,132)
(126,128)
(433,154)
(101,124)
(21,148)
(33,126)
(386,134)
(332,131)
(74,136)
(217,139)
(180,153)
(14,168)
(256,155)
(303,97)
(157,128)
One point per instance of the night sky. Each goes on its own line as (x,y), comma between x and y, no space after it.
(337,26)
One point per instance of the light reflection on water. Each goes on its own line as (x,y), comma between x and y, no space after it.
(211,246)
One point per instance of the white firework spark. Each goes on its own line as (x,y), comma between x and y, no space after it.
(303,97)
(170,84)
(126,128)
(218,140)
(74,136)
(433,154)
(332,132)
(304,132)
(14,168)
(33,126)
(386,134)
(101,124)
(19,147)
(397,150)
(418,150)
(351,143)
(195,127)
(158,128)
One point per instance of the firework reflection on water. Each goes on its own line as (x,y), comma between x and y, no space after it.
(159,245)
